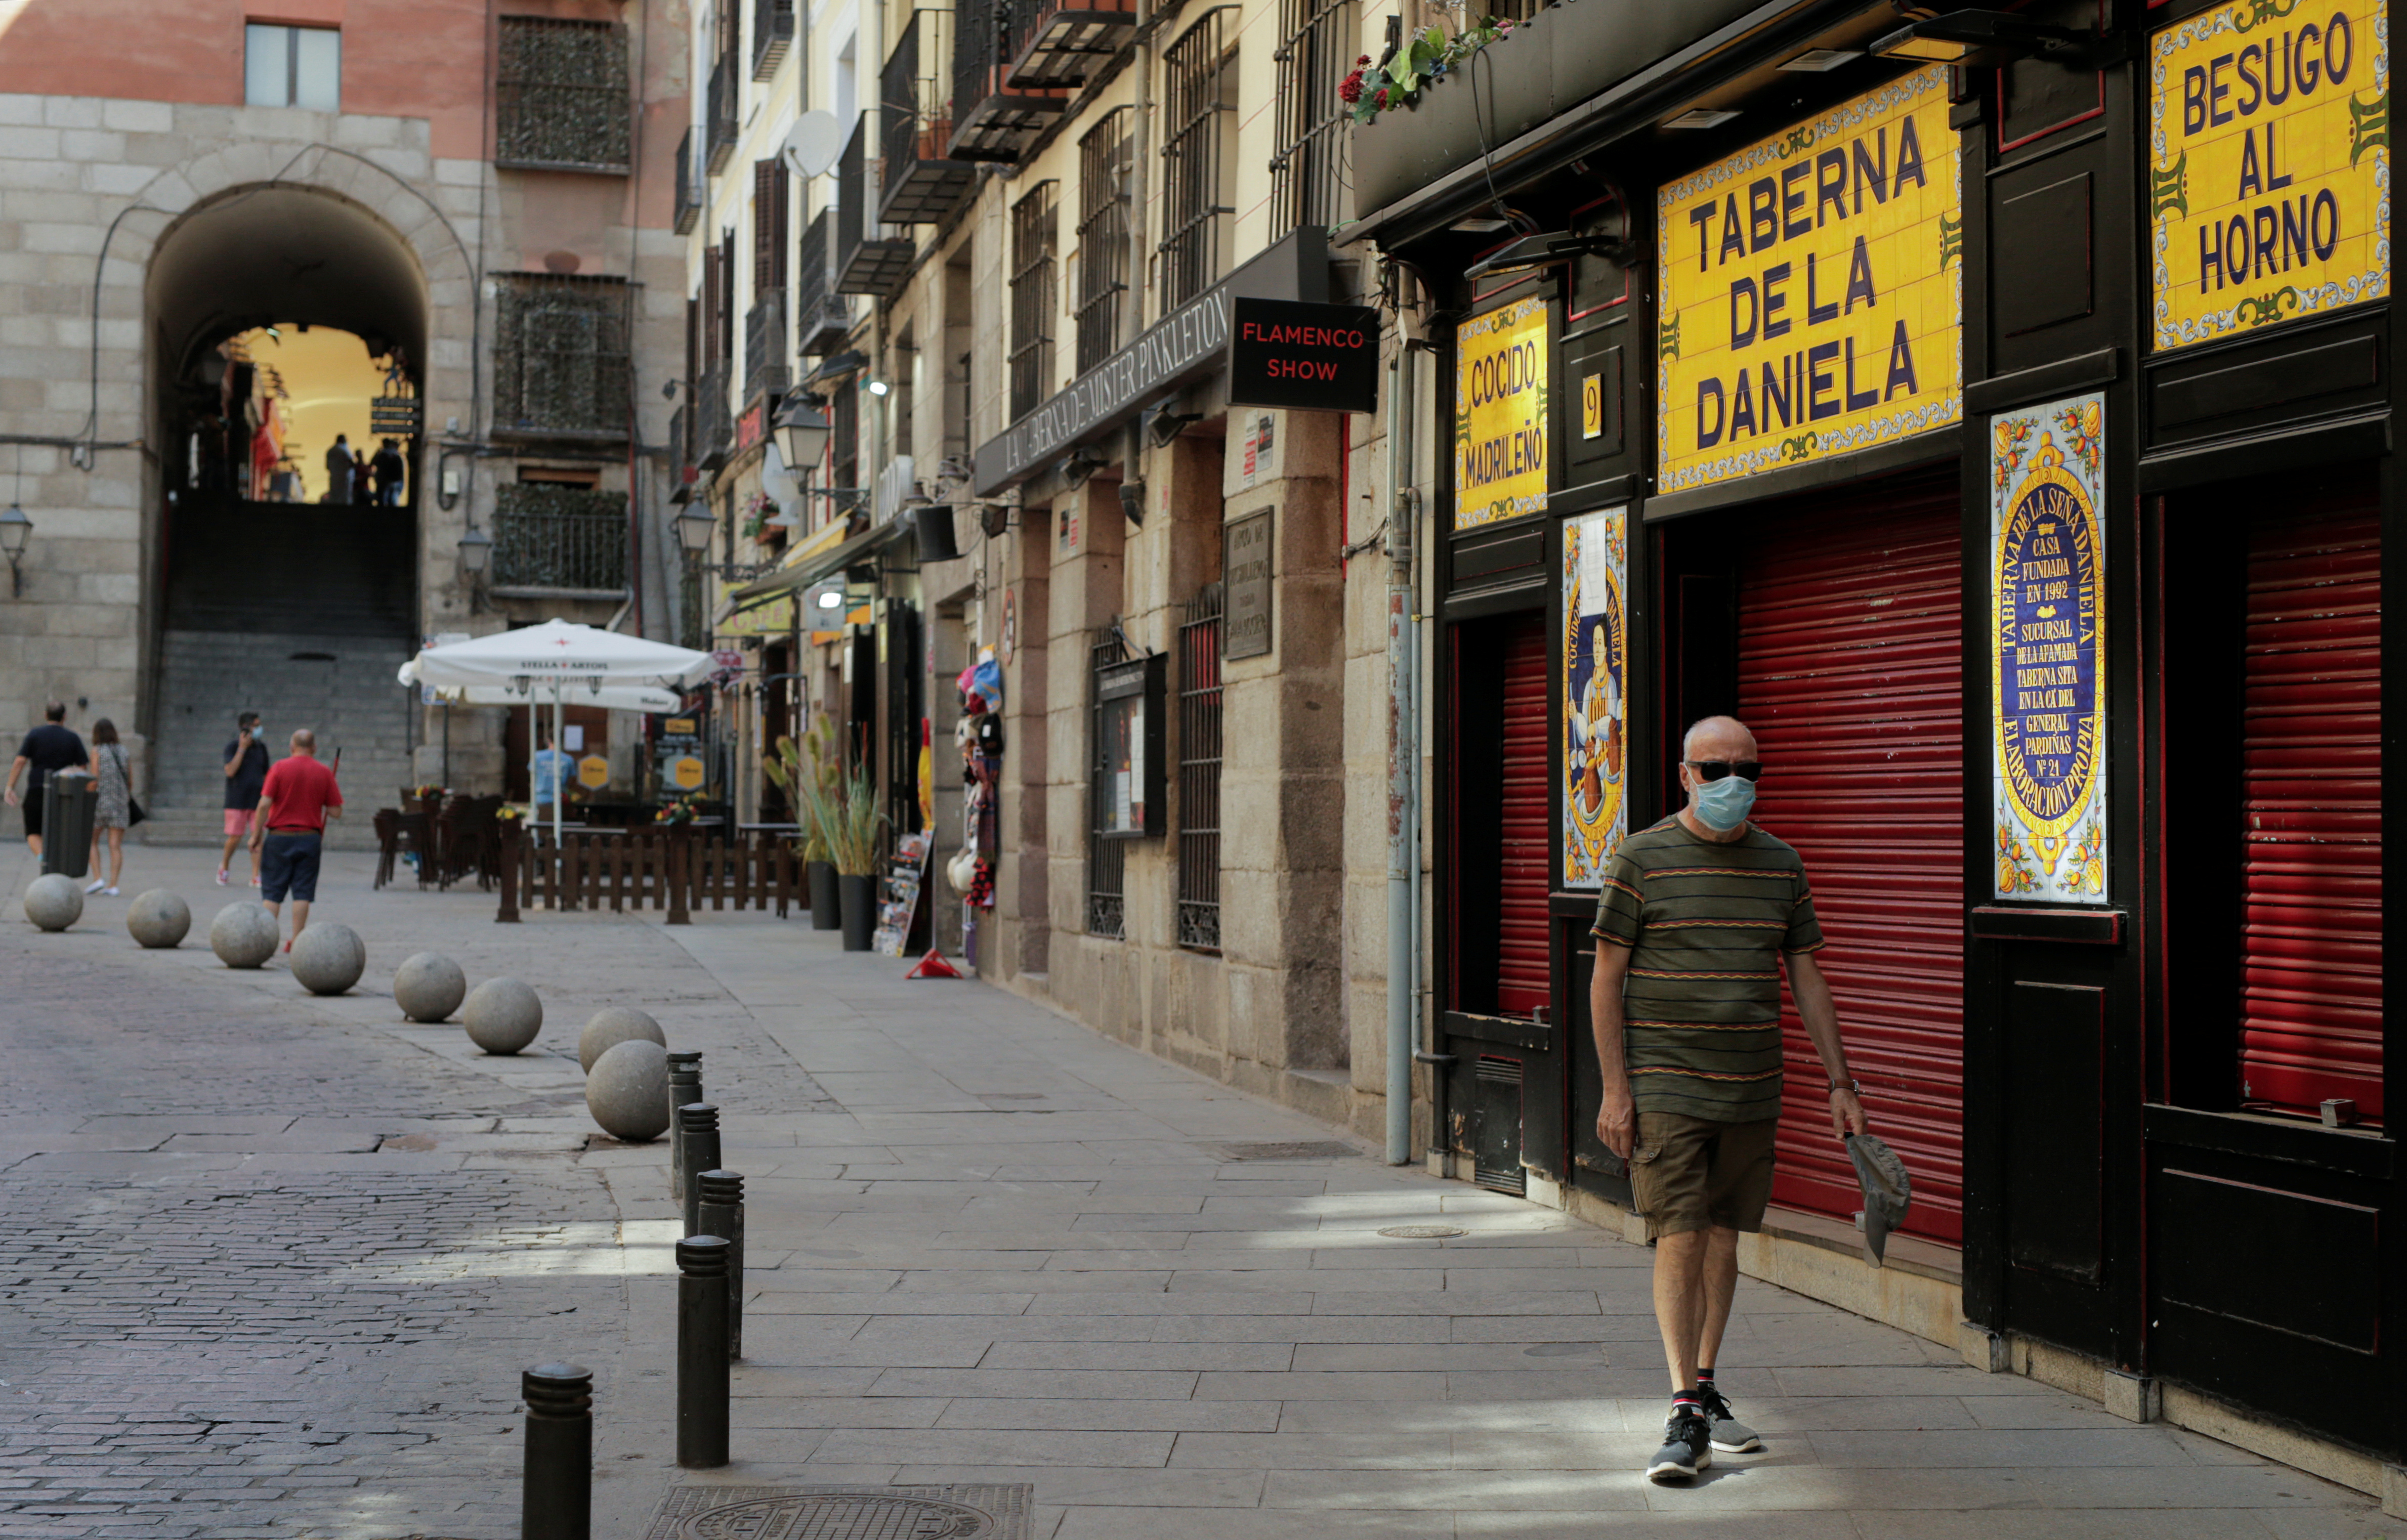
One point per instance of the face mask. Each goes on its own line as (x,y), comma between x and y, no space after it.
(1723,805)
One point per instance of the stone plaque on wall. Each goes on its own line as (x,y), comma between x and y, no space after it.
(1245,568)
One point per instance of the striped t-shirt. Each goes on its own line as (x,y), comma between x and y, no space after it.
(1707,923)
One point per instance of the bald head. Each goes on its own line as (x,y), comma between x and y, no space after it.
(1718,739)
(303,741)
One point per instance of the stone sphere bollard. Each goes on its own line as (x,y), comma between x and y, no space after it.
(611,1026)
(503,1016)
(243,934)
(628,1090)
(159,919)
(329,959)
(429,987)
(54,902)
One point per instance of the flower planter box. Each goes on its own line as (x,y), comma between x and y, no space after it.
(1410,147)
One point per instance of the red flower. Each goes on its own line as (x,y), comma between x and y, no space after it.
(1361,58)
(1349,90)
(1380,100)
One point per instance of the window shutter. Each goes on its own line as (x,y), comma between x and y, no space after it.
(711,351)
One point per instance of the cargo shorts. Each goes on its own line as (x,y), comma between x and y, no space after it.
(1695,1174)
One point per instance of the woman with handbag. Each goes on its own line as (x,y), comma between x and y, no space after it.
(114,769)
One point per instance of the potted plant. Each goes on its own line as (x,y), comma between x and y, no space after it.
(788,769)
(849,821)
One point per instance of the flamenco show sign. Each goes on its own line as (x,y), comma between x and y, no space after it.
(1596,668)
(2046,654)
(2269,165)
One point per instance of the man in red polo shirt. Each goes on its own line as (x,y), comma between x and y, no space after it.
(293,807)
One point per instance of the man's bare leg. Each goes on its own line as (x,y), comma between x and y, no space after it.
(300,920)
(225,857)
(1680,1302)
(1720,1287)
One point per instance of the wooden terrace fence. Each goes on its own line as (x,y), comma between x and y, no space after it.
(660,869)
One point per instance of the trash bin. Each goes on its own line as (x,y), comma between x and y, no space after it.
(71,804)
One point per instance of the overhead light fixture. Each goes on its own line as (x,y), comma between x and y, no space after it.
(837,366)
(693,527)
(1986,39)
(879,387)
(1162,426)
(1545,250)
(1133,502)
(1079,465)
(1478,224)
(994,518)
(1701,117)
(1821,61)
(827,595)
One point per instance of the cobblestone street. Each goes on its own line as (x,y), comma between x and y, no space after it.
(270,1266)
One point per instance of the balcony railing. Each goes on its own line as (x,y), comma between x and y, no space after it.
(822,317)
(992,119)
(689,185)
(867,261)
(766,369)
(559,539)
(561,366)
(921,184)
(773,33)
(1065,44)
(719,121)
(714,424)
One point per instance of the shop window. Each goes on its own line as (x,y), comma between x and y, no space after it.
(1314,56)
(559,356)
(1199,772)
(1199,190)
(1033,227)
(1106,857)
(1103,158)
(561,95)
(292,67)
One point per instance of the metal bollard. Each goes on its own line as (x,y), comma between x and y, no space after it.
(701,1352)
(685,1088)
(722,1215)
(699,1123)
(557,1502)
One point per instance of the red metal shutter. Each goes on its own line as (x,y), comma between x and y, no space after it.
(2311,747)
(1523,983)
(1851,659)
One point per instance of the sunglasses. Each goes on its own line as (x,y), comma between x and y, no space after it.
(1716,769)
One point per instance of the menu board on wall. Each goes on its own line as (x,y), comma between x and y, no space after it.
(1596,669)
(2269,165)
(1812,291)
(1500,414)
(2047,656)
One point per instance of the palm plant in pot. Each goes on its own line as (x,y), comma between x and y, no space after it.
(849,821)
(797,769)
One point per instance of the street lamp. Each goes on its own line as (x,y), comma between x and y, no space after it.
(693,527)
(476,550)
(802,432)
(15,531)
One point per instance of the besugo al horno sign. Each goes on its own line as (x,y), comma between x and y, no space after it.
(1291,355)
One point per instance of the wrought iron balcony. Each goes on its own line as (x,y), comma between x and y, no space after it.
(994,119)
(561,365)
(1065,44)
(766,371)
(714,424)
(773,33)
(718,120)
(553,540)
(921,184)
(822,321)
(689,185)
(867,259)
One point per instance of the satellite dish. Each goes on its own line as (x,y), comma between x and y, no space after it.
(813,144)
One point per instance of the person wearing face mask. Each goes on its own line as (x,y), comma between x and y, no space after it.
(1695,919)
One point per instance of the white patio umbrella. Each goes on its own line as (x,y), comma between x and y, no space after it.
(560,661)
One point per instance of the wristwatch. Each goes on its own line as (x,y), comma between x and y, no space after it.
(1852,1085)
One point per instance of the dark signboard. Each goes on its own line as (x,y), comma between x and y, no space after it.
(1246,566)
(1187,343)
(1316,358)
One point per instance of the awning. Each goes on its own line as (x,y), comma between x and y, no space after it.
(794,575)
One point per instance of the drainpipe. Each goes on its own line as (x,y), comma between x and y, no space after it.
(1404,759)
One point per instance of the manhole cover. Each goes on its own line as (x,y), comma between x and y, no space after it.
(1562,1349)
(844,1513)
(1422,1232)
(1289,1150)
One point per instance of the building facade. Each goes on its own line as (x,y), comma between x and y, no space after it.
(483,195)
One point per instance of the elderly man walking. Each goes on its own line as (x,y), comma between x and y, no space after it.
(294,803)
(1696,916)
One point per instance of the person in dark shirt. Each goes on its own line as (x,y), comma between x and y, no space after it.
(48,749)
(389,472)
(246,771)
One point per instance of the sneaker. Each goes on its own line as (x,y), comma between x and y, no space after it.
(1729,1433)
(221,877)
(98,884)
(254,882)
(1687,1448)
(109,892)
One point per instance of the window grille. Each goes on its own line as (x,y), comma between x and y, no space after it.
(773,33)
(1199,78)
(1103,235)
(1198,772)
(559,537)
(1032,297)
(559,356)
(1314,59)
(561,95)
(1106,859)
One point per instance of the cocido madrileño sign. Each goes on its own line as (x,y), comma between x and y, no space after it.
(1318,358)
